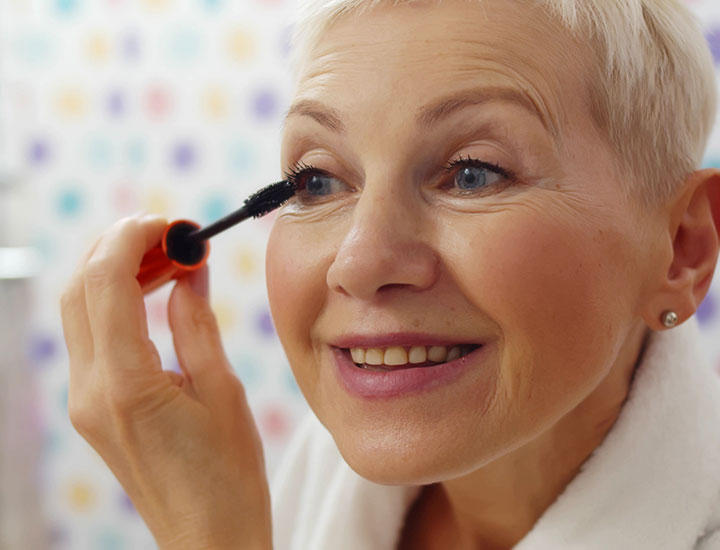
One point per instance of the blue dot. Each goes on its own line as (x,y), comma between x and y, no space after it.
(214,208)
(33,47)
(70,202)
(109,540)
(66,6)
(64,400)
(242,157)
(212,4)
(135,153)
(185,44)
(99,153)
(247,368)
(290,382)
(52,442)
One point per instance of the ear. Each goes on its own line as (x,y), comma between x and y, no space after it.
(693,234)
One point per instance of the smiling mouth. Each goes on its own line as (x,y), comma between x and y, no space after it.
(438,355)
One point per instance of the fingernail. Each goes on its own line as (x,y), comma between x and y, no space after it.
(200,281)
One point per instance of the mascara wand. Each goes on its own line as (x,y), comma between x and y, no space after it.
(184,245)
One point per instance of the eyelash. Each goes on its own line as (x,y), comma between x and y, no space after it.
(295,174)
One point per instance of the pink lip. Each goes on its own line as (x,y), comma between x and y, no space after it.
(396,339)
(372,384)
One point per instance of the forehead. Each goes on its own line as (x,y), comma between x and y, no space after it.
(391,59)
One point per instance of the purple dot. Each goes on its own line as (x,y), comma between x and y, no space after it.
(131,45)
(265,104)
(706,310)
(38,151)
(713,38)
(116,103)
(183,156)
(125,503)
(41,348)
(265,324)
(285,41)
(58,536)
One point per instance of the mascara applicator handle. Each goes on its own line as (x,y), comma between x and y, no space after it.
(173,257)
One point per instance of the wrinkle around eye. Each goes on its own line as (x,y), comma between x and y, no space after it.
(296,211)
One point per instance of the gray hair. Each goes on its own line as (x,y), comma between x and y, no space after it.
(652,88)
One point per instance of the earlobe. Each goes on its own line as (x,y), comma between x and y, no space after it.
(695,221)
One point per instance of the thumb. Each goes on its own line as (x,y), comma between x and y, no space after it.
(196,335)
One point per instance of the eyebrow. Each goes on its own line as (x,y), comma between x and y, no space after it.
(428,115)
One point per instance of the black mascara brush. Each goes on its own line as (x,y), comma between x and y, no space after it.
(184,245)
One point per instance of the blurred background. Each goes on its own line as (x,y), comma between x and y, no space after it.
(107,108)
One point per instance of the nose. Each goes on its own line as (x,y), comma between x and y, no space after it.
(383,248)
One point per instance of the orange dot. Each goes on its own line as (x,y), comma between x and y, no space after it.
(81,496)
(223,313)
(71,102)
(246,263)
(215,103)
(241,45)
(98,47)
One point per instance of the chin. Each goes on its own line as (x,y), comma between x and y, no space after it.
(402,463)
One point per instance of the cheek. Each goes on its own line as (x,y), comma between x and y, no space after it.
(556,290)
(295,278)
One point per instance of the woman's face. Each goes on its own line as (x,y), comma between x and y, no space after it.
(535,254)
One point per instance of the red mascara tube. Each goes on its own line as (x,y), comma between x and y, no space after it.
(173,257)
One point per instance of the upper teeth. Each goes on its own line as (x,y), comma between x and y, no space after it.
(397,355)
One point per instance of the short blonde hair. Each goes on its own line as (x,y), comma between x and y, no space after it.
(652,88)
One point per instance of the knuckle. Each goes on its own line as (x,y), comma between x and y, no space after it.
(205,320)
(82,417)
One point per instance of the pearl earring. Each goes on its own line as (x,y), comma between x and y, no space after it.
(669,319)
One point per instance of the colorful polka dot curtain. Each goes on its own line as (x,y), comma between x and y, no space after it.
(110,107)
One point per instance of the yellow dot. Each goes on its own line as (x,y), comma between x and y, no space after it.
(156,4)
(98,47)
(215,102)
(240,45)
(223,314)
(157,202)
(81,496)
(245,263)
(71,102)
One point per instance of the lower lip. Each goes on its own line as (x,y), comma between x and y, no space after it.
(374,384)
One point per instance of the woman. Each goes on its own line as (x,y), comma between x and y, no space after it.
(485,288)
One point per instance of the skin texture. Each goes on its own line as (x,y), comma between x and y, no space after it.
(559,273)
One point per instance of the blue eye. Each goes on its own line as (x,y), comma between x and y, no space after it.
(318,184)
(313,183)
(475,175)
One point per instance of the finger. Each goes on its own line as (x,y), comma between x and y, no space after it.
(115,304)
(197,340)
(73,312)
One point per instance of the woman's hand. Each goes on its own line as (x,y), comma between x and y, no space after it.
(184,447)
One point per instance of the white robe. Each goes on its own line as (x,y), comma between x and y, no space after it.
(652,484)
